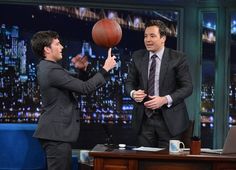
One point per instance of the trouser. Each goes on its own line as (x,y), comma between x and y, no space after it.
(58,154)
(154,132)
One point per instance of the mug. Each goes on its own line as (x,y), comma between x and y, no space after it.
(195,147)
(175,146)
(84,156)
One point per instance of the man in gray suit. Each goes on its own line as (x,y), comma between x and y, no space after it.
(158,81)
(58,125)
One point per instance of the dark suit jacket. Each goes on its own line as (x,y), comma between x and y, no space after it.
(175,80)
(60,119)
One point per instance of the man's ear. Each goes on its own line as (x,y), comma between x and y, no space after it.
(163,38)
(46,50)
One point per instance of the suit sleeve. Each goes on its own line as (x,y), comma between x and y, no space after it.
(132,81)
(60,78)
(82,75)
(184,85)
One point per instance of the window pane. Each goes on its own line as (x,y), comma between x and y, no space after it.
(208,77)
(110,105)
(232,87)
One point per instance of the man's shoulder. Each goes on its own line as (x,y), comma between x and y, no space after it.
(174,52)
(48,64)
(140,52)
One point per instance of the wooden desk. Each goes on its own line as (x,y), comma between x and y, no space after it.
(114,159)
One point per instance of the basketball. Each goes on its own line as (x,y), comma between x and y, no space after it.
(106,33)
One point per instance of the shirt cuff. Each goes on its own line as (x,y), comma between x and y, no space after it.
(169,100)
(131,93)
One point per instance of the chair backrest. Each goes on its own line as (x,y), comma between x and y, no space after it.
(187,134)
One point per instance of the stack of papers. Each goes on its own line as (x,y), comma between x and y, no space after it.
(142,148)
(207,150)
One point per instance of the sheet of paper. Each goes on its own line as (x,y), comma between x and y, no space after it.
(207,150)
(148,149)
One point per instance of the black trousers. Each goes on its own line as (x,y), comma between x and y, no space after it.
(154,132)
(58,154)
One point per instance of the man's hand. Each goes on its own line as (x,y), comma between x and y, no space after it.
(110,62)
(155,102)
(80,62)
(139,95)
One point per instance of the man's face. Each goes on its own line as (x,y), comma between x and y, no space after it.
(54,52)
(152,39)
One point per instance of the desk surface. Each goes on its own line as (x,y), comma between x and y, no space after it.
(107,158)
(103,151)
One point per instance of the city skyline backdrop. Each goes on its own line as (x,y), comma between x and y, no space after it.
(19,93)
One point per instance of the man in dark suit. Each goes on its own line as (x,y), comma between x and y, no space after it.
(158,81)
(58,125)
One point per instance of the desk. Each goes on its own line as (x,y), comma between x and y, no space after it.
(114,159)
(18,149)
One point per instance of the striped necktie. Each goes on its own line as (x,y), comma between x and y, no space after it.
(151,79)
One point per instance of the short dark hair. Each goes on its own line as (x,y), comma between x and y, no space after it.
(42,39)
(161,25)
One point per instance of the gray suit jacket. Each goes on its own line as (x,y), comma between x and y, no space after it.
(60,118)
(175,80)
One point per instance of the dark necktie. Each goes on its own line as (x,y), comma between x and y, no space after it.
(151,79)
(151,82)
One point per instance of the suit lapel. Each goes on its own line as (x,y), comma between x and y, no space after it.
(164,67)
(145,70)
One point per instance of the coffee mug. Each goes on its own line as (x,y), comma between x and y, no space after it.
(195,147)
(84,156)
(175,146)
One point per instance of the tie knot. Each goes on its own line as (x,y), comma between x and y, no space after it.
(154,56)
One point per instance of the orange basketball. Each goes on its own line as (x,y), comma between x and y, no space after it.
(106,33)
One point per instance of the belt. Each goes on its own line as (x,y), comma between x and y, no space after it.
(156,111)
(150,112)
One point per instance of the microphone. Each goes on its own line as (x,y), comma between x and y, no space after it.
(109,138)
